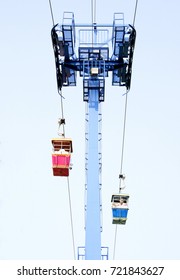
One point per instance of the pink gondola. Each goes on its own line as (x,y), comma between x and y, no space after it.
(61,156)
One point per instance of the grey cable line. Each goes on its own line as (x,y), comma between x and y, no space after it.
(94,11)
(121,165)
(135,11)
(123,141)
(62,113)
(71,218)
(50,5)
(69,196)
(92,19)
(70,207)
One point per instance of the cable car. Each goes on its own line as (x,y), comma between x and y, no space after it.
(61,156)
(120,208)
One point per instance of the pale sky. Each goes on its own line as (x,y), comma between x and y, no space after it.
(34,209)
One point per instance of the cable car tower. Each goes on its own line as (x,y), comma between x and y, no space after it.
(102,49)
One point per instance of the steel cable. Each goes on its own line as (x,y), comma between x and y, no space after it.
(123,139)
(71,217)
(62,114)
(51,10)
(135,12)
(121,164)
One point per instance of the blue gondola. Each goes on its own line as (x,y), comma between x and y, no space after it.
(120,208)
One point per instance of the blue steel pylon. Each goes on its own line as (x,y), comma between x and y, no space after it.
(93,63)
(93,202)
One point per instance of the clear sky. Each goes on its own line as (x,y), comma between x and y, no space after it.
(34,209)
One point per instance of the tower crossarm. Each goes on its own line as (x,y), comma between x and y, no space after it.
(94,45)
(123,48)
(63,40)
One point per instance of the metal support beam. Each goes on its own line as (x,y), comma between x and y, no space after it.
(93,229)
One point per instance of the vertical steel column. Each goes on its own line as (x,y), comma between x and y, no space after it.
(93,223)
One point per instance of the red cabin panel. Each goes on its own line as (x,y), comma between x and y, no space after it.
(60,164)
(60,171)
(61,160)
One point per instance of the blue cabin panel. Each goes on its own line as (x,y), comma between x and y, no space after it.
(119,216)
(120,213)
